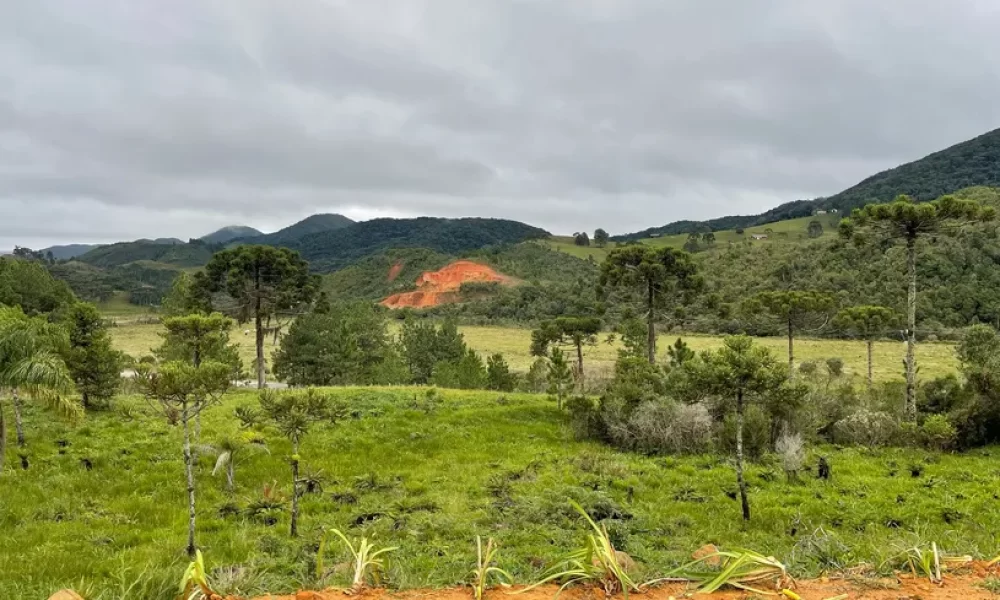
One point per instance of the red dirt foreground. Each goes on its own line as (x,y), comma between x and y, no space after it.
(954,587)
(441,287)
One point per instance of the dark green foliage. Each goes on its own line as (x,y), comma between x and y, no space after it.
(92,361)
(182,299)
(425,345)
(656,275)
(27,284)
(468,372)
(601,238)
(345,345)
(679,353)
(376,277)
(327,253)
(228,234)
(566,331)
(815,229)
(259,284)
(559,376)
(498,375)
(581,239)
(145,282)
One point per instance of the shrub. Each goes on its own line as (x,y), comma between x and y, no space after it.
(938,433)
(835,367)
(866,428)
(665,427)
(941,395)
(807,368)
(791,450)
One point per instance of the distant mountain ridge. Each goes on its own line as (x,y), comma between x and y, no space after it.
(975,162)
(230,233)
(313,224)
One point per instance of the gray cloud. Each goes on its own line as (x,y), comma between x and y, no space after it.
(140,119)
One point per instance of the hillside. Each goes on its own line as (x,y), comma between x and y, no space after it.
(68,251)
(311,225)
(975,162)
(228,234)
(327,253)
(192,254)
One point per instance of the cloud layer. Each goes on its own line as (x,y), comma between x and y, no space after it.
(141,119)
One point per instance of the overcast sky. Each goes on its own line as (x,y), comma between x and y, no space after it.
(139,118)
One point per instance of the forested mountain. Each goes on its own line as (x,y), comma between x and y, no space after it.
(228,234)
(191,254)
(327,252)
(975,162)
(314,224)
(68,251)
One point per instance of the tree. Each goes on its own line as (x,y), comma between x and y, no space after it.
(294,413)
(498,375)
(262,283)
(742,372)
(679,353)
(709,238)
(181,391)
(581,239)
(692,244)
(94,364)
(659,273)
(815,229)
(345,345)
(601,238)
(566,331)
(867,322)
(906,221)
(182,299)
(560,378)
(197,338)
(795,309)
(30,364)
(424,346)
(29,285)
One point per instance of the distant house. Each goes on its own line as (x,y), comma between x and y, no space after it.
(758,236)
(820,212)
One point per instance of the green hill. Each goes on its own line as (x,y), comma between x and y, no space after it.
(192,254)
(975,162)
(68,251)
(228,234)
(328,252)
(311,225)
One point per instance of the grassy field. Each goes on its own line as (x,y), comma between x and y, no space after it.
(935,359)
(429,478)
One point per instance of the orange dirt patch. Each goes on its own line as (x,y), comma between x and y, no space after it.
(441,287)
(395,270)
(905,588)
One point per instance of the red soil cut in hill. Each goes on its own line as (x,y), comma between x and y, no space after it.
(442,286)
(394,270)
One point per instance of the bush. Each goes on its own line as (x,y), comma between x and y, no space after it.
(835,367)
(791,450)
(941,396)
(668,428)
(866,428)
(938,433)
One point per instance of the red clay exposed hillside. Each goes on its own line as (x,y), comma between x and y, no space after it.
(394,270)
(441,287)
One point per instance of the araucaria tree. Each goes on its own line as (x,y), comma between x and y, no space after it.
(657,273)
(907,221)
(30,365)
(867,322)
(559,377)
(293,413)
(740,372)
(262,282)
(94,364)
(566,331)
(795,310)
(181,391)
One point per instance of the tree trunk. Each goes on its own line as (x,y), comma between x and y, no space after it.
(871,379)
(259,325)
(3,436)
(231,473)
(295,488)
(791,349)
(189,471)
(579,366)
(910,410)
(18,423)
(650,325)
(740,481)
